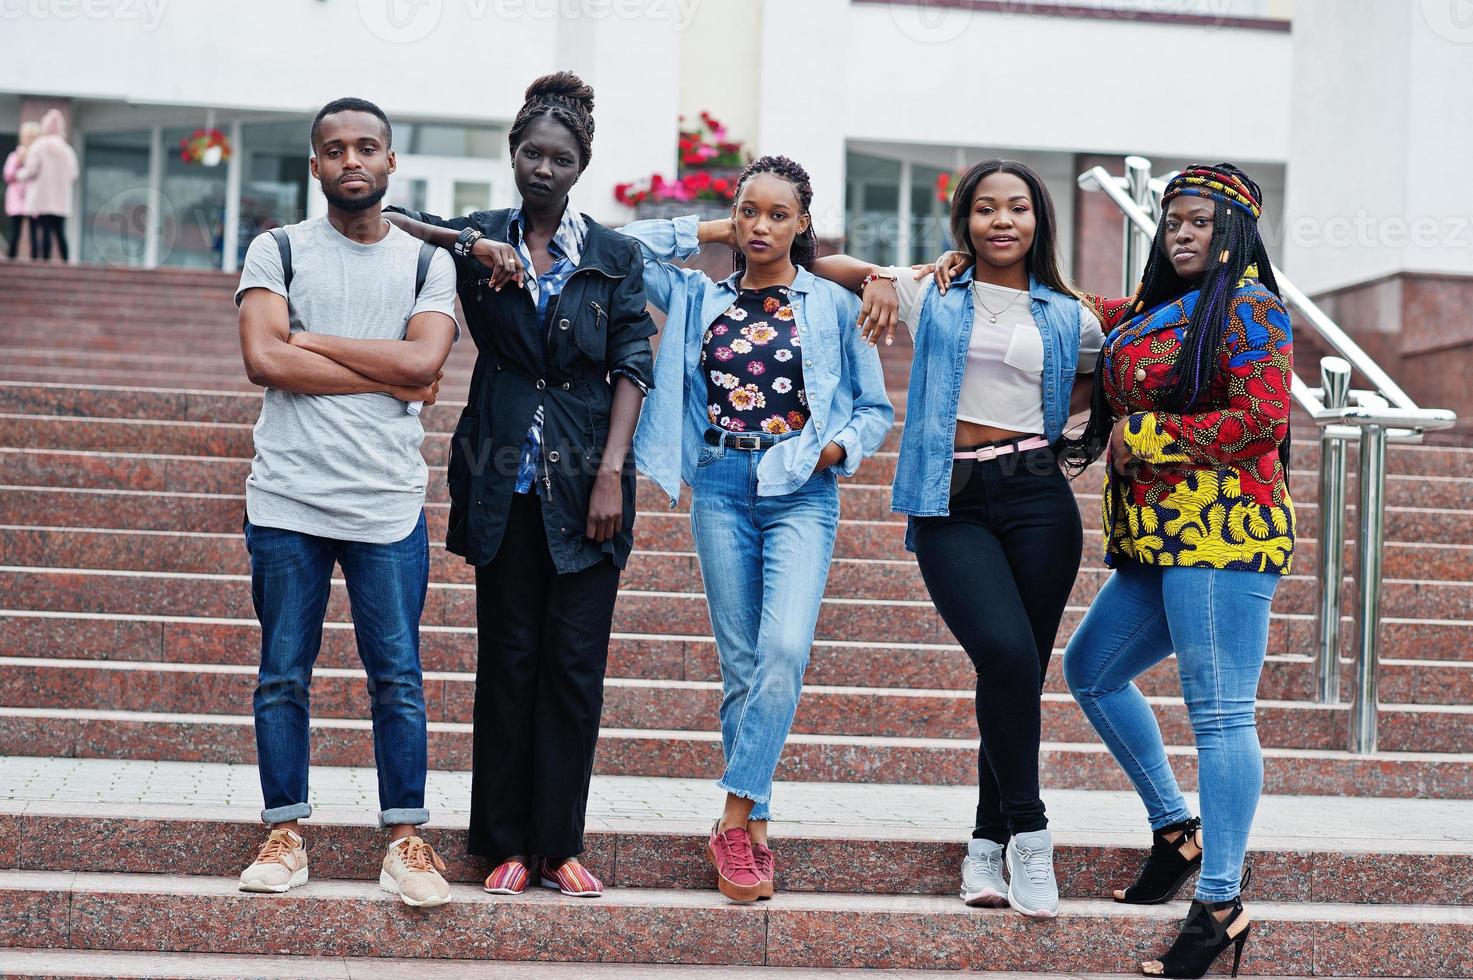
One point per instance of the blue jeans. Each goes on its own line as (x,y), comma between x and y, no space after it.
(764,561)
(1216,621)
(291,576)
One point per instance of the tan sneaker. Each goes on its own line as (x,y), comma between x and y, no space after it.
(412,871)
(280,864)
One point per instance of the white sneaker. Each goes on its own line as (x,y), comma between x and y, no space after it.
(982,881)
(281,864)
(412,871)
(1032,888)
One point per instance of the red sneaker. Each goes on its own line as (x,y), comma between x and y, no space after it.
(736,870)
(766,867)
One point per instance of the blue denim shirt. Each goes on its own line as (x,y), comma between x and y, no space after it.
(942,335)
(841,372)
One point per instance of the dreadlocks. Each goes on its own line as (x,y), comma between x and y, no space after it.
(805,245)
(1239,251)
(565,98)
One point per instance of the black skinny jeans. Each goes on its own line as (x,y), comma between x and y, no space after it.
(49,226)
(19,224)
(542,643)
(1000,568)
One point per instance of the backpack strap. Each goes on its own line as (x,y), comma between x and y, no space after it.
(422,270)
(284,247)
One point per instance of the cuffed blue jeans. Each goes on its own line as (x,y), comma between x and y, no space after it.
(291,576)
(1216,621)
(765,562)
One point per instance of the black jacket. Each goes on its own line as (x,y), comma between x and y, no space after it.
(597,325)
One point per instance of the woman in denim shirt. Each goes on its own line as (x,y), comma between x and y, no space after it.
(992,520)
(764,393)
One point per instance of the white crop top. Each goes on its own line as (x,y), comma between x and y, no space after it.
(1003,383)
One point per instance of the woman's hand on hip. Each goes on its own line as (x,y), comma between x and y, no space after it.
(833,454)
(1120,455)
(606,507)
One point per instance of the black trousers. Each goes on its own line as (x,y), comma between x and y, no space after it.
(542,643)
(18,222)
(50,226)
(1000,568)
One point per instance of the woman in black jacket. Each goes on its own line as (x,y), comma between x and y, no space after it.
(541,498)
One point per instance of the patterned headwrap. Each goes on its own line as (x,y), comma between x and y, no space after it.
(1219,185)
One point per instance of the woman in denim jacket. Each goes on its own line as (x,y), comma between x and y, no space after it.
(764,394)
(992,520)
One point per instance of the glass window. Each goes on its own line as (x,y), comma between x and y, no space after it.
(115,213)
(471,195)
(930,217)
(437,140)
(275,179)
(192,215)
(872,208)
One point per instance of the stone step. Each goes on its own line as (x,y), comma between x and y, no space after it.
(638,611)
(79,733)
(665,530)
(101,470)
(185,553)
(447,604)
(627,852)
(645,656)
(336,918)
(38,963)
(869,711)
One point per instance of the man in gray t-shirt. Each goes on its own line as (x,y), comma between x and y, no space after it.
(346,350)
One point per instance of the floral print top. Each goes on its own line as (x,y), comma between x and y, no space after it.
(752,360)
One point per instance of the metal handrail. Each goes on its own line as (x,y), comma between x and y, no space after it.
(1374,418)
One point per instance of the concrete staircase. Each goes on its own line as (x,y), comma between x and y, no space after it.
(126,633)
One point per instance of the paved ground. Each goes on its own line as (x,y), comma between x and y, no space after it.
(46,963)
(688,805)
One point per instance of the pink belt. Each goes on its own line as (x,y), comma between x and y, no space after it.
(985,453)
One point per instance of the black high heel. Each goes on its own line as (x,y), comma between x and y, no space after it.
(1165,870)
(1203,938)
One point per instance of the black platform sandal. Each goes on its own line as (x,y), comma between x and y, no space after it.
(1203,938)
(1165,870)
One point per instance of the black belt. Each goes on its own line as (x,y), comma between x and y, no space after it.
(750,441)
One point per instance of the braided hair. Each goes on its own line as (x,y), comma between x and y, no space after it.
(805,245)
(1237,245)
(565,98)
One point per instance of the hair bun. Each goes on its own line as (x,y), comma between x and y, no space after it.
(563,86)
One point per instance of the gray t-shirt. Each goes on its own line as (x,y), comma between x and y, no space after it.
(342,466)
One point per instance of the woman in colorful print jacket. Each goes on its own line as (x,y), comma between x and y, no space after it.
(1192,410)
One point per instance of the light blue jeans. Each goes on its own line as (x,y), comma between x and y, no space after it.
(1216,621)
(765,561)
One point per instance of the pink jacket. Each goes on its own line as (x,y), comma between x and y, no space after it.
(15,188)
(50,169)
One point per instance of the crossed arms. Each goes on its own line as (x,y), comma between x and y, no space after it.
(310,363)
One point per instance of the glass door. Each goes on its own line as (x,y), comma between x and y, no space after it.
(446,186)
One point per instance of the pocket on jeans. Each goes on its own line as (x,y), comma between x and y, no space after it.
(707,455)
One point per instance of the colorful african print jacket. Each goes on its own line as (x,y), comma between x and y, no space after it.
(1209,488)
